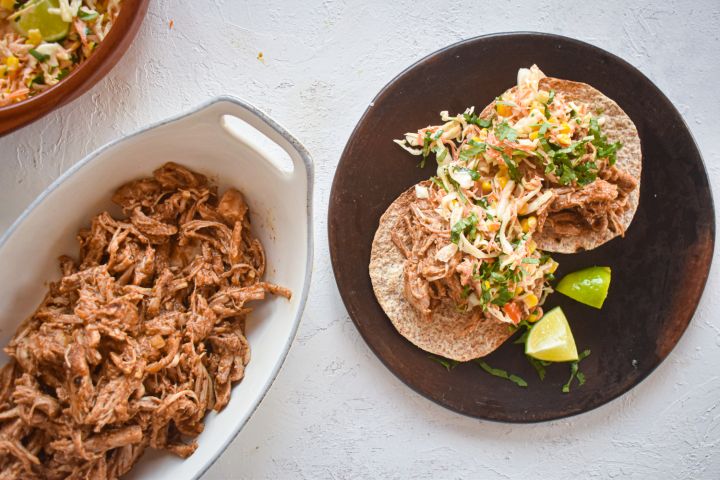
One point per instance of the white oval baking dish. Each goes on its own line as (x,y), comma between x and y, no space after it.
(280,201)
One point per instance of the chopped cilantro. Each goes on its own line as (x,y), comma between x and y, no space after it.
(438,182)
(458,190)
(475,120)
(87,16)
(505,132)
(538,365)
(473,173)
(604,149)
(445,362)
(543,129)
(512,168)
(426,149)
(551,97)
(467,226)
(503,296)
(502,374)
(472,149)
(498,277)
(41,57)
(575,373)
(564,163)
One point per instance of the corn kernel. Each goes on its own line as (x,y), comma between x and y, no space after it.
(502,178)
(553,266)
(529,223)
(34,37)
(565,128)
(494,227)
(7,4)
(503,110)
(12,63)
(564,139)
(531,300)
(533,317)
(533,135)
(531,246)
(552,119)
(486,186)
(3,70)
(487,285)
(518,290)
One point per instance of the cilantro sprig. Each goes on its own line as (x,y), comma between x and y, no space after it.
(448,363)
(475,120)
(575,372)
(505,132)
(41,57)
(466,226)
(497,372)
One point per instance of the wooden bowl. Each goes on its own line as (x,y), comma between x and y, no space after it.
(83,77)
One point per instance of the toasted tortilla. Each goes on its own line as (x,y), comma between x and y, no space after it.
(618,126)
(447,332)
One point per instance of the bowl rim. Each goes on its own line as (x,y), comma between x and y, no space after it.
(309,169)
(423,60)
(85,75)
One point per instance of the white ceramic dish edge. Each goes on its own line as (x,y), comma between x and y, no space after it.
(260,121)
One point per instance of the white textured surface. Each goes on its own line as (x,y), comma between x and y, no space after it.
(334,410)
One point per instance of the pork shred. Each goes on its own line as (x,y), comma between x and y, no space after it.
(419,234)
(139,339)
(597,206)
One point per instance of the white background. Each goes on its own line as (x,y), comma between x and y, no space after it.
(334,410)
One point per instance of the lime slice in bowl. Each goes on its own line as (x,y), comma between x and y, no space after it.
(589,286)
(550,339)
(51,26)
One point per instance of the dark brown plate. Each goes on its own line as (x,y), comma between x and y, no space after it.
(84,76)
(659,268)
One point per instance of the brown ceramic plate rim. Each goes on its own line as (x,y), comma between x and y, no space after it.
(333,241)
(84,76)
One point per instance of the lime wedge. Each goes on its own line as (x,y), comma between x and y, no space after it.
(588,286)
(550,339)
(51,26)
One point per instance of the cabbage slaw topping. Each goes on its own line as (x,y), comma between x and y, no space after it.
(29,63)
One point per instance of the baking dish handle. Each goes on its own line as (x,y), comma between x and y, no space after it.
(301,161)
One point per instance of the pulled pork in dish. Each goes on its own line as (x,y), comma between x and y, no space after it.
(139,339)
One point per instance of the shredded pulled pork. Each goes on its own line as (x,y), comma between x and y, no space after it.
(597,206)
(141,337)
